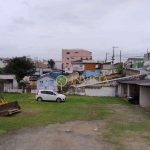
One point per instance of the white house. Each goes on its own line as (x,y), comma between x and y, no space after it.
(46,82)
(10,82)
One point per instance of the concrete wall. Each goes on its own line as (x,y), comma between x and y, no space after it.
(144,96)
(106,72)
(7,86)
(76,91)
(103,91)
(34,91)
(130,72)
(15,84)
(122,90)
(16,91)
(119,90)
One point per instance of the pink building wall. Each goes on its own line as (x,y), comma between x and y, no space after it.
(69,55)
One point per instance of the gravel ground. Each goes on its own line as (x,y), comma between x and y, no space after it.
(75,135)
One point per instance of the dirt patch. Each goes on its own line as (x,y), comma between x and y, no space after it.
(135,142)
(123,114)
(76,135)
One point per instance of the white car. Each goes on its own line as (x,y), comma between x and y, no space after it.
(49,95)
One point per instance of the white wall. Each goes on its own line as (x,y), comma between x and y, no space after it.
(7,86)
(69,71)
(58,65)
(106,72)
(103,91)
(120,90)
(78,67)
(2,65)
(144,96)
(16,90)
(15,84)
(34,91)
(46,84)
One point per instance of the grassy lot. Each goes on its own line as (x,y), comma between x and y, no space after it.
(41,113)
(121,118)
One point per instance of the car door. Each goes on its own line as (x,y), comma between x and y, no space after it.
(51,96)
(44,95)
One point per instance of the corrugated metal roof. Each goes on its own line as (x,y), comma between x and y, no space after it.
(137,82)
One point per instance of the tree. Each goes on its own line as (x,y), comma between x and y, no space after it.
(51,63)
(1,70)
(119,68)
(21,67)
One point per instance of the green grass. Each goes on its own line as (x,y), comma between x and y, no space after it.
(115,112)
(42,113)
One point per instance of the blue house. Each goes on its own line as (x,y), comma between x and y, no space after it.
(46,81)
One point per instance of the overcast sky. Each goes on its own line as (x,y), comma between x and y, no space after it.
(42,28)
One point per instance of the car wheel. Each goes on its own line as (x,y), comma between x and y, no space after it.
(58,100)
(39,99)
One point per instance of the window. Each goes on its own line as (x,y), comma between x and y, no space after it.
(43,92)
(67,52)
(68,68)
(67,63)
(81,58)
(51,82)
(86,58)
(72,57)
(50,93)
(67,58)
(41,83)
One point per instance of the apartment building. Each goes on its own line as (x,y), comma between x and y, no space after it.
(70,55)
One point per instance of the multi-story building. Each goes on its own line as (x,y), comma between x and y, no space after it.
(70,55)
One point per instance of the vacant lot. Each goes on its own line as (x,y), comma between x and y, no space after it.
(79,123)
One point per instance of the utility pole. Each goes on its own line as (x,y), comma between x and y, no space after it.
(106,57)
(62,67)
(147,54)
(113,54)
(120,56)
